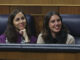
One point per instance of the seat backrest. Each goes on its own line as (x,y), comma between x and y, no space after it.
(73,24)
(4,20)
(31,23)
(3,23)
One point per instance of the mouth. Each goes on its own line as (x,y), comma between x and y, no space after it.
(57,28)
(21,26)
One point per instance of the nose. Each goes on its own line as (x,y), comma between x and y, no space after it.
(21,20)
(56,22)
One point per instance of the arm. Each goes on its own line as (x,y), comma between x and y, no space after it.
(24,34)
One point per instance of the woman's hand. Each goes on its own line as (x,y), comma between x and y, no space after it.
(24,34)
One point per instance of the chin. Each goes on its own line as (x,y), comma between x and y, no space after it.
(57,31)
(21,28)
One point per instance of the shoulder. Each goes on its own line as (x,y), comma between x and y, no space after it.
(40,39)
(70,39)
(40,36)
(70,36)
(2,38)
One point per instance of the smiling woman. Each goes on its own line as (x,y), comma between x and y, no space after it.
(17,30)
(54,31)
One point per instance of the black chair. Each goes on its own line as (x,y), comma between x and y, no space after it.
(3,23)
(31,23)
(4,20)
(73,24)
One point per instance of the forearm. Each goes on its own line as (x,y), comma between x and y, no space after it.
(26,39)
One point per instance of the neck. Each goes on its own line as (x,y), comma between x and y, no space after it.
(53,34)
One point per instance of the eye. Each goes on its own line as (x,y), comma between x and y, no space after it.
(17,19)
(58,20)
(22,18)
(53,21)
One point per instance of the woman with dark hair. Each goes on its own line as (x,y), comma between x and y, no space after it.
(17,30)
(54,31)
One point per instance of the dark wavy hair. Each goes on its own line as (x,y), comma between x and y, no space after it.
(61,36)
(10,32)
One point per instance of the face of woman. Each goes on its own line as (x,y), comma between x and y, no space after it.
(19,21)
(55,23)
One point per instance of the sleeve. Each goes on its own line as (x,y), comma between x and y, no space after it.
(33,39)
(70,39)
(2,38)
(40,39)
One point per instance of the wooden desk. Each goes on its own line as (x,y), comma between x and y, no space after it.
(39,52)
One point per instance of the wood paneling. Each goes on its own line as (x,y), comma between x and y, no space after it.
(61,56)
(41,2)
(35,9)
(4,10)
(46,9)
(27,9)
(38,56)
(69,10)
